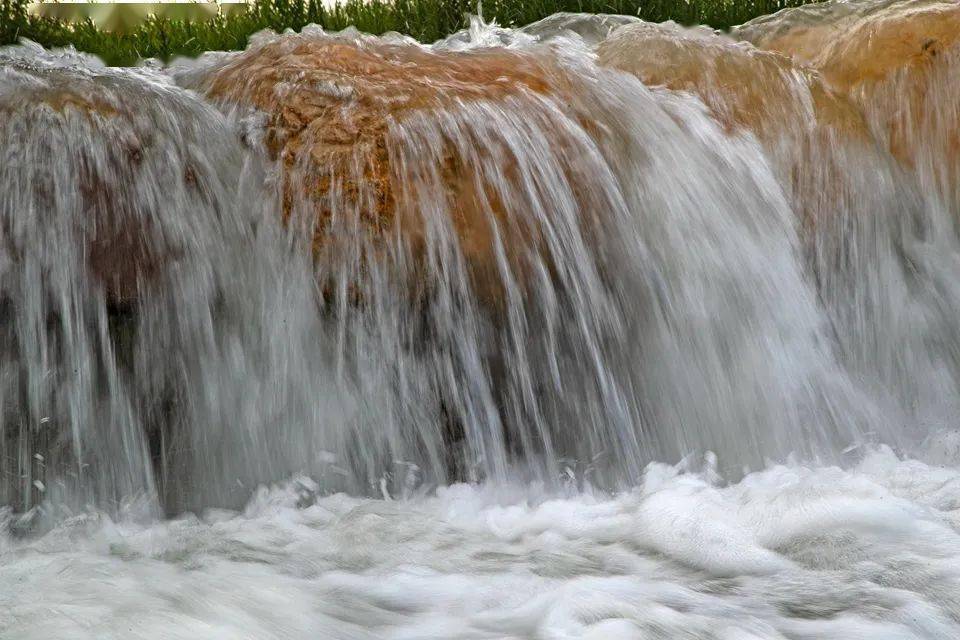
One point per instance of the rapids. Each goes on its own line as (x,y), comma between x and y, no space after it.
(595,328)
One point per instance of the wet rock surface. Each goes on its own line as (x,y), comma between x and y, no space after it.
(897,60)
(745,88)
(120,253)
(109,197)
(804,125)
(853,43)
(330,102)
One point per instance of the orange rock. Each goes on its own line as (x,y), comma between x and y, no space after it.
(744,87)
(860,42)
(331,101)
(898,60)
(798,119)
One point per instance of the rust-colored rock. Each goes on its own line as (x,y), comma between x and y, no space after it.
(800,121)
(860,42)
(745,88)
(331,102)
(119,255)
(898,60)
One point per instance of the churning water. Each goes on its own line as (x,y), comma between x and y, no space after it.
(595,328)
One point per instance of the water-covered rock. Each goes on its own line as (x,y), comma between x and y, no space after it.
(43,107)
(745,88)
(845,155)
(114,186)
(805,126)
(331,101)
(860,41)
(506,256)
(898,60)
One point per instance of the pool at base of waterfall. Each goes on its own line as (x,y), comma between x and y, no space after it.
(792,551)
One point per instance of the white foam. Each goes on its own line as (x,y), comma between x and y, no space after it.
(788,552)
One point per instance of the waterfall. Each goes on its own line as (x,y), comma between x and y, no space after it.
(550,255)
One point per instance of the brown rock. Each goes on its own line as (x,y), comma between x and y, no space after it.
(119,253)
(331,101)
(863,41)
(745,88)
(899,61)
(130,169)
(801,122)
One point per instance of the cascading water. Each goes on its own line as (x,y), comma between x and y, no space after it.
(533,261)
(103,185)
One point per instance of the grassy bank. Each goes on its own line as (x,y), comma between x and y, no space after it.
(426,20)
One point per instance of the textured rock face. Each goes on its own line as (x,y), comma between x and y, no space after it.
(116,194)
(805,126)
(744,87)
(118,254)
(860,42)
(898,61)
(328,98)
(82,147)
(333,106)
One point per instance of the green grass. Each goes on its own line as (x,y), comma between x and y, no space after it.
(426,20)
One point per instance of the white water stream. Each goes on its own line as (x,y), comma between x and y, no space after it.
(544,290)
